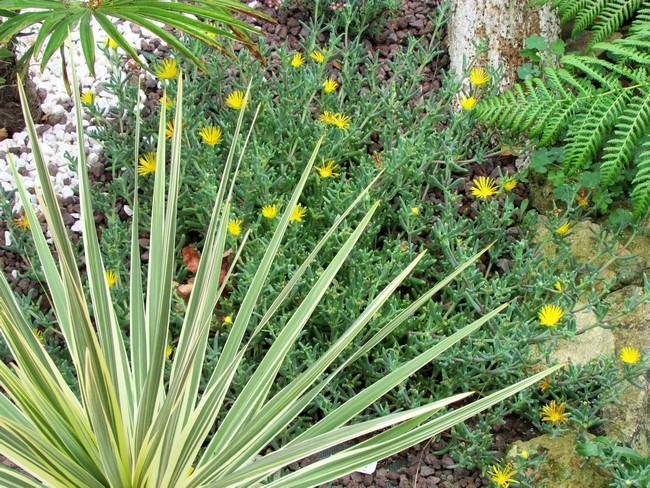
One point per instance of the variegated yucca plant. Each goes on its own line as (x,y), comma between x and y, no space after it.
(130,426)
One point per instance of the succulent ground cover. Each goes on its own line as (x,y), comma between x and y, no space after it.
(383,104)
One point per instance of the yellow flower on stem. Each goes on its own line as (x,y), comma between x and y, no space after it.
(468,103)
(484,187)
(298,213)
(110,42)
(168,102)
(330,85)
(478,76)
(211,135)
(147,164)
(270,211)
(550,315)
(317,56)
(554,413)
(21,221)
(503,477)
(563,229)
(327,170)
(510,185)
(234,227)
(227,320)
(558,286)
(327,117)
(297,60)
(87,97)
(630,355)
(546,384)
(38,333)
(235,100)
(111,279)
(415,210)
(168,352)
(341,121)
(167,69)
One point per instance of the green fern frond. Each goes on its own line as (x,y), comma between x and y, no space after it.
(558,120)
(631,126)
(628,53)
(612,17)
(598,73)
(641,22)
(587,132)
(641,193)
(567,10)
(585,16)
(638,76)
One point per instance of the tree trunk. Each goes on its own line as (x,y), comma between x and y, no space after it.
(11,115)
(506,24)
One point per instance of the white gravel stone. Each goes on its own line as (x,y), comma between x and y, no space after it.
(56,142)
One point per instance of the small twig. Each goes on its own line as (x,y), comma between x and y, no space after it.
(417,470)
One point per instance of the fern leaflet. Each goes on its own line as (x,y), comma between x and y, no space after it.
(620,149)
(641,193)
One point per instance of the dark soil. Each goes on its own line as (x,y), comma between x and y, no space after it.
(418,463)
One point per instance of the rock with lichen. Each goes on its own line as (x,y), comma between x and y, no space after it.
(562,467)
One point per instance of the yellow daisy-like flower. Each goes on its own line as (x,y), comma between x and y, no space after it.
(111,279)
(630,355)
(341,121)
(167,69)
(38,333)
(110,43)
(546,384)
(88,97)
(210,33)
(468,103)
(558,286)
(330,85)
(169,131)
(317,56)
(563,229)
(510,185)
(327,170)
(415,210)
(235,100)
(297,60)
(327,117)
(227,320)
(147,164)
(503,477)
(211,135)
(550,315)
(478,76)
(270,211)
(298,213)
(484,187)
(168,352)
(554,413)
(168,102)
(234,227)
(21,221)
(524,454)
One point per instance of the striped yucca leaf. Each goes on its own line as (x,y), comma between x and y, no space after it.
(55,18)
(130,426)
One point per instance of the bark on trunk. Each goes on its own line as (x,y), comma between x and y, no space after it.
(11,115)
(506,24)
